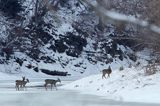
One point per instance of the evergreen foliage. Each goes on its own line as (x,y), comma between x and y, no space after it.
(11,7)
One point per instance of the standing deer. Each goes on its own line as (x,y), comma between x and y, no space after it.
(18,83)
(21,83)
(24,83)
(106,71)
(51,82)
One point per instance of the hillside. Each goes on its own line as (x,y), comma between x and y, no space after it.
(74,40)
(65,41)
(129,85)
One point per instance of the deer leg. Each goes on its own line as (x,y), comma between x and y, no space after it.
(18,87)
(21,86)
(51,86)
(108,75)
(103,76)
(25,88)
(45,85)
(55,86)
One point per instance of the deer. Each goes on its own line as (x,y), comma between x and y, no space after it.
(106,71)
(18,83)
(51,82)
(21,83)
(24,83)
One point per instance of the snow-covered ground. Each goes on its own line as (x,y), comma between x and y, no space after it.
(129,85)
(35,95)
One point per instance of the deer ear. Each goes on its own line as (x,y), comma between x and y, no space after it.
(23,77)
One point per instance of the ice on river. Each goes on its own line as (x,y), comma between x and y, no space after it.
(35,95)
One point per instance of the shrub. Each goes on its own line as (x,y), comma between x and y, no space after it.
(121,68)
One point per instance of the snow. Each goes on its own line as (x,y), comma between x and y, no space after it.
(127,86)
(4,76)
(64,28)
(35,94)
(122,17)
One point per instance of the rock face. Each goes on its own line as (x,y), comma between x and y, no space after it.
(71,44)
(62,37)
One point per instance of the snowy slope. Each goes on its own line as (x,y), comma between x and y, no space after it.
(59,34)
(128,85)
(62,29)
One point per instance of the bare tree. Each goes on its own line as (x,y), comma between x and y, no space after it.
(142,15)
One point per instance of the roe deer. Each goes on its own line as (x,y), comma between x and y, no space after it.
(106,71)
(21,83)
(51,82)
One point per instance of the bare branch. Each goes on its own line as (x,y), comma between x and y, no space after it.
(118,19)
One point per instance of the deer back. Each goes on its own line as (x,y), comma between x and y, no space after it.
(108,71)
(50,81)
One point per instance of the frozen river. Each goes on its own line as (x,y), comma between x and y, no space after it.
(37,96)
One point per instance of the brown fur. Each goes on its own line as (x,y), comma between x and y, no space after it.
(51,82)
(21,83)
(106,71)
